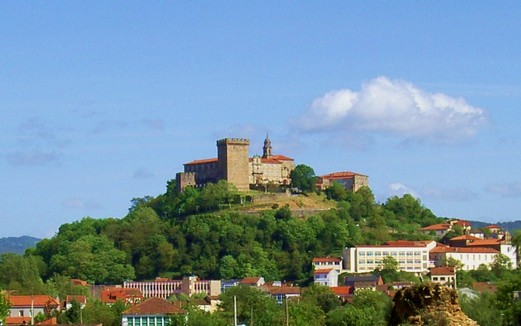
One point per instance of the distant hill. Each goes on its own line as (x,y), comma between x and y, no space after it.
(508,226)
(17,245)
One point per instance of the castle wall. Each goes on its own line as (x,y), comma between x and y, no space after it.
(233,161)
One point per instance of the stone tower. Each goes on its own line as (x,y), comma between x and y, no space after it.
(266,149)
(233,161)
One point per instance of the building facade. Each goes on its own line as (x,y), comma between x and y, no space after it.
(412,256)
(234,165)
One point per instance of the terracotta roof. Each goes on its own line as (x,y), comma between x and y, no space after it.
(113,294)
(341,290)
(340,175)
(326,259)
(484,242)
(493,226)
(76,281)
(18,320)
(437,227)
(284,290)
(442,271)
(34,300)
(203,161)
(461,222)
(323,271)
(464,237)
(484,286)
(399,243)
(270,161)
(281,158)
(154,306)
(467,250)
(250,280)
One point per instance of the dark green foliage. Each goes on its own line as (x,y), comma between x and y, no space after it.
(5,305)
(482,309)
(303,178)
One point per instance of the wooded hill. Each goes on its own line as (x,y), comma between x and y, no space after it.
(209,233)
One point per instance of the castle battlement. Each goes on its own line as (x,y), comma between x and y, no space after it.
(233,141)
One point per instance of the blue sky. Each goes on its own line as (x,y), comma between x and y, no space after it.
(103,101)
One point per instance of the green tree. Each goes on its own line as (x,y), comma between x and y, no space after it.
(350,315)
(376,299)
(5,305)
(482,309)
(501,265)
(389,270)
(20,273)
(252,304)
(303,178)
(322,297)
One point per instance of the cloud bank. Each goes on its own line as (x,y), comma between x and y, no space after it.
(393,107)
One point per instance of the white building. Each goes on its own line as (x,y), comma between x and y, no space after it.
(471,257)
(327,262)
(327,277)
(412,256)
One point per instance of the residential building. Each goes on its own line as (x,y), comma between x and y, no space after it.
(29,306)
(282,293)
(469,256)
(151,312)
(349,180)
(255,281)
(363,281)
(444,276)
(112,294)
(327,262)
(438,229)
(412,256)
(327,277)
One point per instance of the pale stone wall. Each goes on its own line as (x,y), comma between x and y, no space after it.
(233,166)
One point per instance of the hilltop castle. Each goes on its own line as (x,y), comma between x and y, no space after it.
(234,165)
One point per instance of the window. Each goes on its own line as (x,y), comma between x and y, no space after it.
(417,253)
(361,253)
(378,253)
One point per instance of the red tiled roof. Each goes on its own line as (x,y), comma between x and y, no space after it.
(113,294)
(18,320)
(461,222)
(492,226)
(442,271)
(34,300)
(464,237)
(484,286)
(484,242)
(154,306)
(250,280)
(341,290)
(340,175)
(203,161)
(467,250)
(323,271)
(77,298)
(76,281)
(281,158)
(326,259)
(270,161)
(436,227)
(284,290)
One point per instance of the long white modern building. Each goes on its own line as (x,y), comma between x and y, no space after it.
(412,256)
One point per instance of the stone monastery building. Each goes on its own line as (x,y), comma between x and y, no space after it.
(234,165)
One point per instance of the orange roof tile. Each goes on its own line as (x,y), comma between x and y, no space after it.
(281,158)
(323,271)
(340,175)
(250,280)
(464,237)
(437,227)
(442,271)
(341,290)
(34,300)
(284,290)
(484,242)
(154,306)
(203,161)
(467,250)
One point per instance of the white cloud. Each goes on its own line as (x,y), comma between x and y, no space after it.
(393,107)
(78,203)
(399,189)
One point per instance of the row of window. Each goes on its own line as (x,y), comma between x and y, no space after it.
(391,253)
